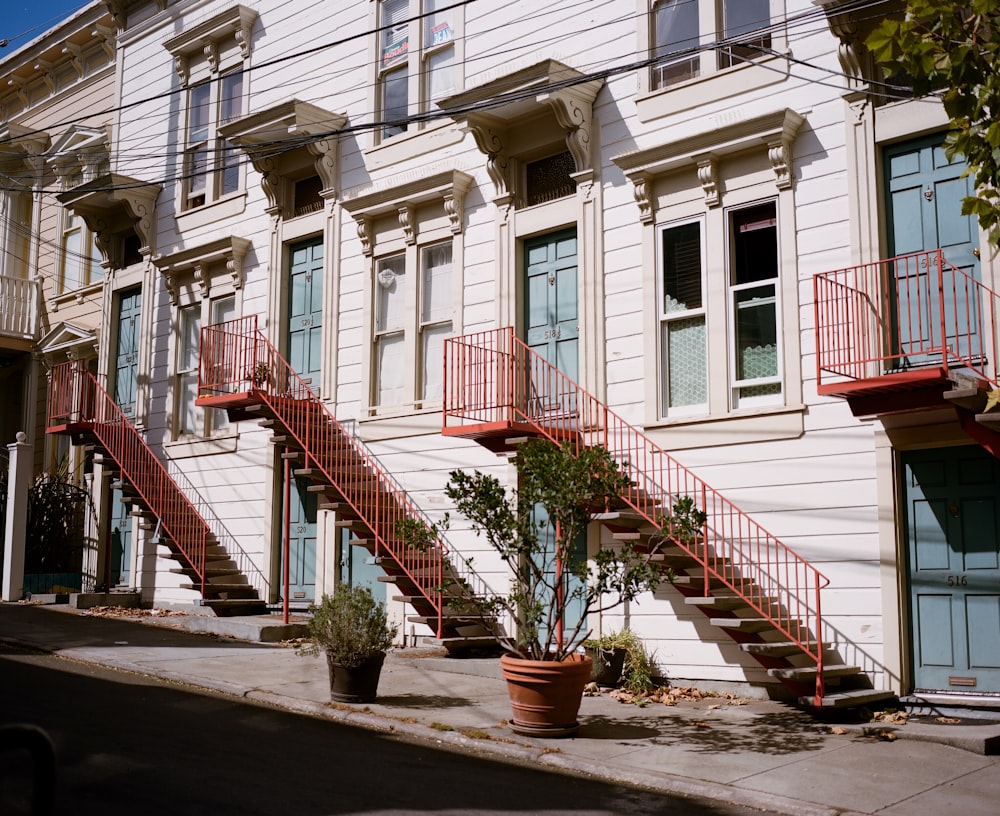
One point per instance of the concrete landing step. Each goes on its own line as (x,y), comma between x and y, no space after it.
(849,699)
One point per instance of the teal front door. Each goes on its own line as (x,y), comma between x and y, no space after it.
(126,371)
(551,313)
(925,193)
(952,504)
(302,507)
(305,311)
(358,567)
(552,330)
(119,571)
(126,360)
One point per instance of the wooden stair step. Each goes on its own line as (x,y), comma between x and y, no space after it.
(743,624)
(226,607)
(775,648)
(449,620)
(459,643)
(802,673)
(720,601)
(851,698)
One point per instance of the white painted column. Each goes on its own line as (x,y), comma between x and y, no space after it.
(16,523)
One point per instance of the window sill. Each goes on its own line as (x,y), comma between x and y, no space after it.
(77,295)
(408,145)
(209,214)
(204,446)
(716,86)
(751,425)
(400,421)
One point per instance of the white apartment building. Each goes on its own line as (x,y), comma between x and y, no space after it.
(424,228)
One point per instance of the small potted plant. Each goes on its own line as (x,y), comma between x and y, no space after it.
(354,631)
(620,658)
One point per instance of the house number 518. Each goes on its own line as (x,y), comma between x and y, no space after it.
(958,580)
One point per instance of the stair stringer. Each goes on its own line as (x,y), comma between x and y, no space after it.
(784,588)
(351,480)
(80,407)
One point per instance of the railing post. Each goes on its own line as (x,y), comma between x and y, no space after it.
(942,315)
(818,700)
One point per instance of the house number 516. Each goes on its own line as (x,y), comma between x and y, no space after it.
(958,580)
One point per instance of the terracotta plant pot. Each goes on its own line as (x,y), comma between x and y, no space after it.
(357,684)
(545,695)
(608,665)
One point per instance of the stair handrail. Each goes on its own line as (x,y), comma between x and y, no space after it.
(861,313)
(492,376)
(236,357)
(79,399)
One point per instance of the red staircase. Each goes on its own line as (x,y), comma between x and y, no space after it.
(760,592)
(909,333)
(241,371)
(80,408)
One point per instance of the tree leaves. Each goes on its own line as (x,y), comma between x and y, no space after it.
(952,49)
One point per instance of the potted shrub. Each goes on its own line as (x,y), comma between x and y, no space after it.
(543,666)
(354,631)
(620,658)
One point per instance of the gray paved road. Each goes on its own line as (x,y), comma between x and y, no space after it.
(132,745)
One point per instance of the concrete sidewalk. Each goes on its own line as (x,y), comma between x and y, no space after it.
(756,753)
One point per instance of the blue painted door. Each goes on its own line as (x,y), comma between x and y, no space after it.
(302,543)
(126,360)
(120,569)
(551,313)
(925,193)
(358,567)
(551,324)
(952,502)
(305,311)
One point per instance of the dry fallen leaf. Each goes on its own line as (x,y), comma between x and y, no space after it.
(947,720)
(838,730)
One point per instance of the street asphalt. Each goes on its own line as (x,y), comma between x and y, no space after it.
(756,753)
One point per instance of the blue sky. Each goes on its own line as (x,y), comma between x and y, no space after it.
(23,20)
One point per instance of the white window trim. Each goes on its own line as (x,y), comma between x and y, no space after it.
(702,157)
(663,318)
(212,50)
(737,403)
(407,217)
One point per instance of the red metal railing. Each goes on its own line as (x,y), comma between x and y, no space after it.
(491,377)
(914,310)
(78,401)
(236,358)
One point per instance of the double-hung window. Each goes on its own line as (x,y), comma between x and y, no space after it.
(403,345)
(684,380)
(416,59)
(740,31)
(211,164)
(713,288)
(390,330)
(80,261)
(192,421)
(753,299)
(435,316)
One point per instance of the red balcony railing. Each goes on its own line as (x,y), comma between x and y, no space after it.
(492,379)
(78,404)
(240,367)
(900,316)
